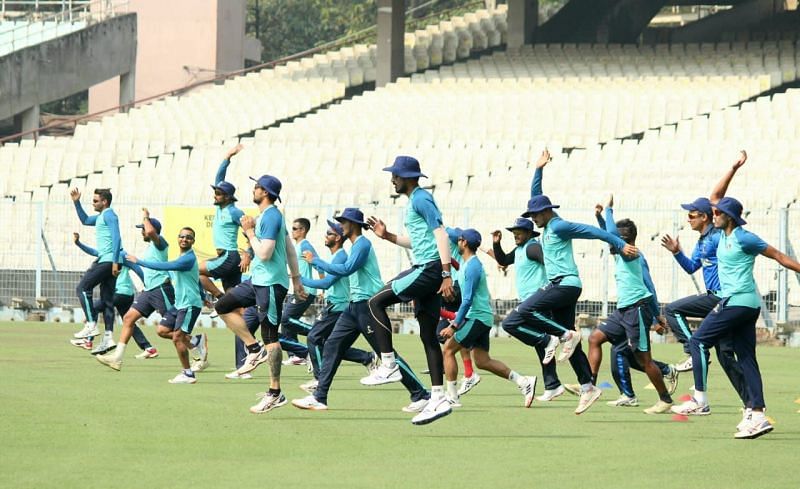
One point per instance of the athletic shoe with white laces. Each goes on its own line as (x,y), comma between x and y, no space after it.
(383,375)
(310,386)
(672,380)
(623,401)
(435,409)
(746,418)
(587,399)
(105,346)
(199,365)
(110,360)
(237,376)
(182,378)
(550,350)
(660,407)
(528,388)
(148,353)
(294,360)
(550,394)
(467,383)
(200,352)
(692,408)
(268,402)
(309,402)
(253,360)
(571,340)
(89,330)
(757,425)
(415,406)
(684,366)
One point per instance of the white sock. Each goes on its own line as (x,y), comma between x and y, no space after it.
(701,398)
(90,324)
(437,392)
(120,351)
(514,377)
(387,360)
(452,389)
(758,416)
(586,387)
(107,334)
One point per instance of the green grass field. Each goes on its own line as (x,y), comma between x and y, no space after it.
(67,421)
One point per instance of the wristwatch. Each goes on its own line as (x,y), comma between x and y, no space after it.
(445,274)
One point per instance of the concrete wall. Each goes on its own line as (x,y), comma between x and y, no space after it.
(206,36)
(66,65)
(711,28)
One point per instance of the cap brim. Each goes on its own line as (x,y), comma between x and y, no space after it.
(332,225)
(139,226)
(689,207)
(360,223)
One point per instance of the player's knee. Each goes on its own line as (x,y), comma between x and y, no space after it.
(226,304)
(597,338)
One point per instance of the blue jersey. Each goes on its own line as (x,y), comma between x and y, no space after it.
(155,278)
(530,275)
(109,242)
(736,256)
(476,303)
(705,256)
(271,225)
(338,287)
(629,273)
(422,217)
(305,268)
(362,268)
(185,277)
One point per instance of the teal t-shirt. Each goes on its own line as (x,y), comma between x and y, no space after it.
(422,217)
(271,225)
(529,275)
(736,256)
(476,303)
(225,228)
(305,268)
(630,281)
(154,278)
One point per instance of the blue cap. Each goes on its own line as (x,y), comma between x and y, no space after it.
(353,215)
(405,167)
(226,188)
(472,237)
(731,207)
(269,183)
(337,228)
(700,204)
(538,204)
(524,224)
(155,222)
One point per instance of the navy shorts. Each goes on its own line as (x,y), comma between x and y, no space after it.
(160,299)
(421,285)
(635,321)
(226,268)
(267,299)
(473,334)
(182,319)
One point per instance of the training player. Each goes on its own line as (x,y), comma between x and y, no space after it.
(123,298)
(470,329)
(549,314)
(266,288)
(699,306)
(104,270)
(736,313)
(426,283)
(530,276)
(364,274)
(637,309)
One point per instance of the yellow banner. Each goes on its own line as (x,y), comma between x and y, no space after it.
(200,219)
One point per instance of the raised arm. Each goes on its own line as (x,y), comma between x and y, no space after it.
(379,228)
(536,183)
(500,256)
(85,248)
(782,258)
(357,258)
(86,220)
(223,167)
(150,230)
(722,186)
(183,263)
(573,230)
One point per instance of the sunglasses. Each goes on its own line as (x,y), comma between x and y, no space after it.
(694,215)
(217,192)
(96,201)
(185,236)
(296,229)
(331,233)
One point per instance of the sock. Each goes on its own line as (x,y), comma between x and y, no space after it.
(665,397)
(387,360)
(586,387)
(468,367)
(758,416)
(188,372)
(107,334)
(194,341)
(274,392)
(254,348)
(514,377)
(120,351)
(437,392)
(452,390)
(700,397)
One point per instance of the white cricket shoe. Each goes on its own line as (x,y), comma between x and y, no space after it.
(237,376)
(253,360)
(467,383)
(455,402)
(757,426)
(528,388)
(550,350)
(692,408)
(684,366)
(106,345)
(182,378)
(746,419)
(110,361)
(383,375)
(587,399)
(660,407)
(435,409)
(672,379)
(148,353)
(309,402)
(624,401)
(199,365)
(310,386)
(550,394)
(200,352)
(89,330)
(294,360)
(268,402)
(415,406)
(571,340)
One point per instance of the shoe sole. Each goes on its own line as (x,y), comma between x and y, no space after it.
(274,406)
(308,408)
(649,411)
(529,400)
(94,333)
(176,383)
(567,355)
(691,413)
(203,367)
(116,367)
(431,420)
(247,368)
(387,381)
(753,436)
(103,352)
(549,353)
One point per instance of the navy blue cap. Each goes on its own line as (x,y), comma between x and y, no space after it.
(405,167)
(155,222)
(538,204)
(269,183)
(337,228)
(226,188)
(353,215)
(700,204)
(732,208)
(472,237)
(524,224)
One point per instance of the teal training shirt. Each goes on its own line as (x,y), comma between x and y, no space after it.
(736,256)
(362,268)
(305,268)
(271,225)
(124,283)
(454,253)
(337,287)
(422,217)
(154,278)
(630,282)
(529,275)
(185,276)
(475,300)
(226,227)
